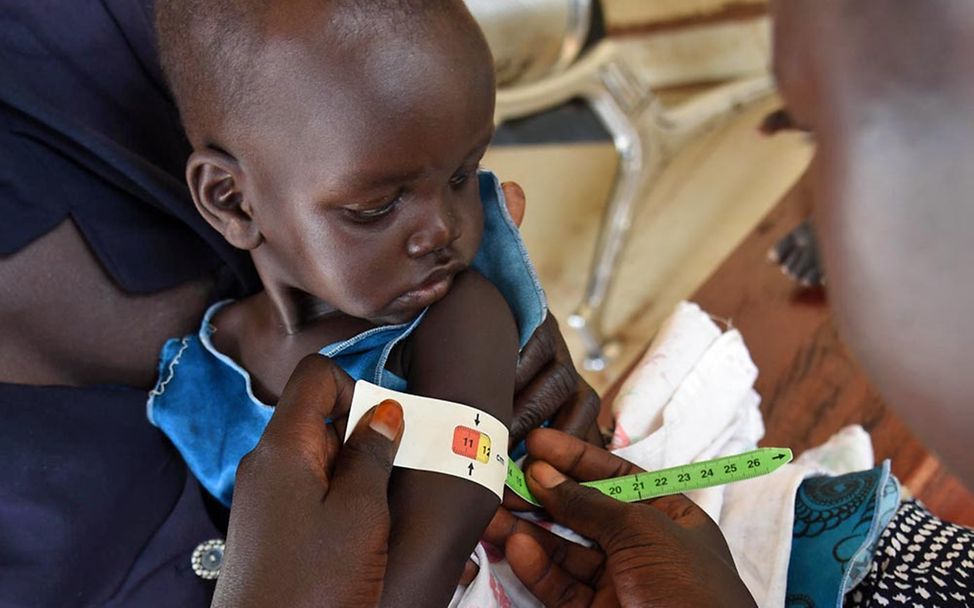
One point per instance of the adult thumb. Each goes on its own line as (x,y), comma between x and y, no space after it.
(516,203)
(364,463)
(585,510)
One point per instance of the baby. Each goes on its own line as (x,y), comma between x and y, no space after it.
(338,141)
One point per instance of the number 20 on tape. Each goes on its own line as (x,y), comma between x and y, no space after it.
(471,444)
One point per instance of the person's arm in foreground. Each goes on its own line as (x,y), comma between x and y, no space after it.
(888,92)
(309,525)
(665,552)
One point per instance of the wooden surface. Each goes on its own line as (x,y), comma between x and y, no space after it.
(810,385)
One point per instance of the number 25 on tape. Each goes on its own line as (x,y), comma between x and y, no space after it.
(471,444)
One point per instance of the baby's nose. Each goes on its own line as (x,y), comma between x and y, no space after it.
(438,230)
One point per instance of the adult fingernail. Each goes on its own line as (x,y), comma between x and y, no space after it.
(387,419)
(545,474)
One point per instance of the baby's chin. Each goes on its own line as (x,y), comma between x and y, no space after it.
(408,306)
(393,318)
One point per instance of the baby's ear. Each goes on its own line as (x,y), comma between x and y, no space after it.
(216,182)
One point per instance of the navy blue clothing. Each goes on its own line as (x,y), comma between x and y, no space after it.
(96,507)
(88,130)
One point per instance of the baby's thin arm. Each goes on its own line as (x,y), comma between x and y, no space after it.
(464,351)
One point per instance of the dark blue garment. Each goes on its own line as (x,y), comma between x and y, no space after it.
(88,131)
(96,507)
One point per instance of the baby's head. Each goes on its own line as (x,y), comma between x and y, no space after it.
(337,140)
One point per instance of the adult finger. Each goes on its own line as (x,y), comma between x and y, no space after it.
(542,576)
(578,416)
(585,510)
(548,387)
(516,202)
(537,354)
(297,440)
(365,462)
(317,390)
(359,494)
(513,502)
(541,398)
(583,563)
(575,457)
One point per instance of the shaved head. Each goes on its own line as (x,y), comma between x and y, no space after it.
(212,50)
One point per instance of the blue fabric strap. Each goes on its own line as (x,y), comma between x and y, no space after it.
(838,521)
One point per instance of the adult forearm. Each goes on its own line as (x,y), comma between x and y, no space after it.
(894,204)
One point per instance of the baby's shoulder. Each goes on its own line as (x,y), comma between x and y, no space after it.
(473,301)
(474,312)
(472,291)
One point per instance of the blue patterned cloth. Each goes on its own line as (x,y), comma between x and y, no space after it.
(838,521)
(203,400)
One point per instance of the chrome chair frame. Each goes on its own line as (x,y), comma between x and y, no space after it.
(646,134)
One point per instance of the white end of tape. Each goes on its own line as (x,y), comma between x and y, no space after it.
(442,436)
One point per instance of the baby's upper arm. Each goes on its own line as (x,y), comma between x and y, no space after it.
(465,350)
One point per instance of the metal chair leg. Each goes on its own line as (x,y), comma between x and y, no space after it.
(646,136)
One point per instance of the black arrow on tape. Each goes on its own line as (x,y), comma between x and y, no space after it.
(477,420)
(778,457)
(470,469)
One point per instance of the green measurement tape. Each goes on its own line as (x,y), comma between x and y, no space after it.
(642,486)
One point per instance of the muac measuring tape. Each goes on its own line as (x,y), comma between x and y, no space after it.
(462,441)
(674,480)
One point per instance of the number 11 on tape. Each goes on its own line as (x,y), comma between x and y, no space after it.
(684,478)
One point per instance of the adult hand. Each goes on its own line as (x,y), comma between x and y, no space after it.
(666,552)
(309,523)
(548,387)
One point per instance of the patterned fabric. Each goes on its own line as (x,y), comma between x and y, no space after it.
(920,561)
(838,521)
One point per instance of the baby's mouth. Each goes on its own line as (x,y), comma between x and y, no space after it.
(433,288)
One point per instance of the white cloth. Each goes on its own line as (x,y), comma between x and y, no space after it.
(691,398)
(758,514)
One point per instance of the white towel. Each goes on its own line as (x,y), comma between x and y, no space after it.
(691,398)
(680,343)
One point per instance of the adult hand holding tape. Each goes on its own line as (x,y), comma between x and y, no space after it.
(310,522)
(666,552)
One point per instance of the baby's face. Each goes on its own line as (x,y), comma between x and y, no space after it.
(363,172)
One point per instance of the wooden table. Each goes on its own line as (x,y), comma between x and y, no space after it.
(810,385)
